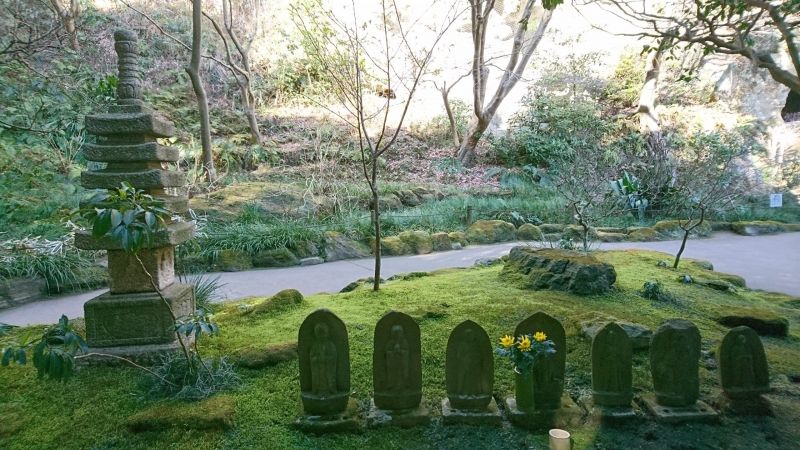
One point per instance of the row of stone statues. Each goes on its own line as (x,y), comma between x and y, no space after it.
(539,399)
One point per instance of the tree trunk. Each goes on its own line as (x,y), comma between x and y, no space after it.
(450,117)
(680,250)
(249,110)
(466,152)
(376,217)
(200,92)
(68,16)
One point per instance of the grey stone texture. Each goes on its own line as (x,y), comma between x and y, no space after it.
(491,231)
(324,359)
(639,335)
(469,368)
(549,371)
(490,415)
(743,364)
(133,314)
(612,378)
(348,420)
(566,414)
(675,363)
(397,363)
(561,270)
(338,246)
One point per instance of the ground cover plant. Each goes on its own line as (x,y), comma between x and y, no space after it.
(268,400)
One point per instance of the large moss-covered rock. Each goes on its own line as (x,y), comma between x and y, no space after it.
(260,357)
(610,236)
(458,237)
(233,261)
(418,242)
(575,232)
(277,257)
(529,232)
(339,246)
(551,227)
(283,300)
(671,229)
(561,270)
(215,413)
(441,242)
(757,227)
(765,323)
(644,234)
(394,246)
(408,197)
(390,202)
(491,231)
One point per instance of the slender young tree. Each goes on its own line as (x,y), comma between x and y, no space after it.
(373,75)
(68,13)
(193,69)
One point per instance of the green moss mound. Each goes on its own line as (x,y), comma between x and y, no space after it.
(279,257)
(642,235)
(283,300)
(418,242)
(260,357)
(758,227)
(671,229)
(764,322)
(99,400)
(215,413)
(490,232)
(529,232)
(559,270)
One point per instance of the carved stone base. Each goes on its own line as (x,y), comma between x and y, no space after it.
(405,418)
(140,320)
(699,412)
(754,406)
(490,416)
(611,415)
(568,415)
(347,421)
(141,354)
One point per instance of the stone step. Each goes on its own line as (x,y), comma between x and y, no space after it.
(141,179)
(146,152)
(111,124)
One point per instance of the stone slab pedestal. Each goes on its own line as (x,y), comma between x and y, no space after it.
(609,415)
(405,418)
(490,416)
(699,412)
(347,421)
(566,416)
(136,323)
(754,406)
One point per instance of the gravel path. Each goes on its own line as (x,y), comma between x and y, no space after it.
(767,262)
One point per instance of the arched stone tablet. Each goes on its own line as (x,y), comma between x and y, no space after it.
(548,373)
(469,367)
(675,363)
(743,366)
(324,357)
(612,377)
(396,362)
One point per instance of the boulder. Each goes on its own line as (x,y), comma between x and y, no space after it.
(339,246)
(529,232)
(389,202)
(18,291)
(720,226)
(283,300)
(304,249)
(561,270)
(277,257)
(458,237)
(551,228)
(575,232)
(233,261)
(611,230)
(639,335)
(394,246)
(757,227)
(642,235)
(610,236)
(260,357)
(418,242)
(671,229)
(716,284)
(491,231)
(311,261)
(408,197)
(441,242)
(764,322)
(700,264)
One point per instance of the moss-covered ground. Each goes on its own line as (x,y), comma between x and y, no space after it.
(92,410)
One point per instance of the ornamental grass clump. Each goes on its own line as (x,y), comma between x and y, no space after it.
(525,350)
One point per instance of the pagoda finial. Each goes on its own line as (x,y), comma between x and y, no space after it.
(129,85)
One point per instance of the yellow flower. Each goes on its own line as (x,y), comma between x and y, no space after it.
(524,344)
(539,336)
(507,341)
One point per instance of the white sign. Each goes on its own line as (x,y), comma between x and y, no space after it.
(775,200)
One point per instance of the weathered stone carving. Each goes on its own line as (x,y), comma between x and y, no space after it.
(744,373)
(324,358)
(611,367)
(132,319)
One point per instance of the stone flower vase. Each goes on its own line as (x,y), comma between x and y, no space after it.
(523,389)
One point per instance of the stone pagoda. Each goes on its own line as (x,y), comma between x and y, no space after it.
(132,319)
